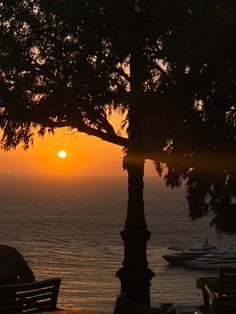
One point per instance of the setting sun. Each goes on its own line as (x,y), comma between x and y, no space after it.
(62,154)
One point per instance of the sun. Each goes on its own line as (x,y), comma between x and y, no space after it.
(62,154)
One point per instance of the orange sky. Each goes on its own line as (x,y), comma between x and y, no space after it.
(87,155)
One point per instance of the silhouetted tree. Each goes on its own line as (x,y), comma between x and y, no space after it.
(168,65)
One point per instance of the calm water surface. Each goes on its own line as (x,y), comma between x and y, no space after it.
(69,227)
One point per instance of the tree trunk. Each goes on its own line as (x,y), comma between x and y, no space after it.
(135,275)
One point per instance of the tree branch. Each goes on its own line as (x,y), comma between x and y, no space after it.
(84,128)
(122,73)
(108,137)
(75,123)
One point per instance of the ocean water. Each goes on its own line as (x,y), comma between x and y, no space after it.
(69,227)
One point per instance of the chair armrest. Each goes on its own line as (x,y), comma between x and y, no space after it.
(208,289)
(213,281)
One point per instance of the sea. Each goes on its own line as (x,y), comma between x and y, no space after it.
(69,227)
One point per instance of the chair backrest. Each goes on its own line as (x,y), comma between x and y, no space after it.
(30,297)
(227,290)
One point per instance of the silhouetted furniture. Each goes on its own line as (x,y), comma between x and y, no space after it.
(125,306)
(30,297)
(209,281)
(219,295)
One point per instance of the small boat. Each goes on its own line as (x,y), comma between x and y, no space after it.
(189,253)
(175,247)
(214,261)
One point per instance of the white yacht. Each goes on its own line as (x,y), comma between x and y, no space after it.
(179,258)
(214,261)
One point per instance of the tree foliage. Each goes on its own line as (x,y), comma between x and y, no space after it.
(168,65)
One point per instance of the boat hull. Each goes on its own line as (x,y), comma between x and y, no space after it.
(180,259)
(199,265)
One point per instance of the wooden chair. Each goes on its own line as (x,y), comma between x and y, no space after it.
(125,306)
(30,297)
(225,302)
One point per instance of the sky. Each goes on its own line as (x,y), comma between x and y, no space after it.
(86,155)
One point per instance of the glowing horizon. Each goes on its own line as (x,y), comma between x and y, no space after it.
(87,155)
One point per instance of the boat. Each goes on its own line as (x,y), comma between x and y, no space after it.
(186,254)
(214,261)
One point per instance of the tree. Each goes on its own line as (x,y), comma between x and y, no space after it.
(168,65)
